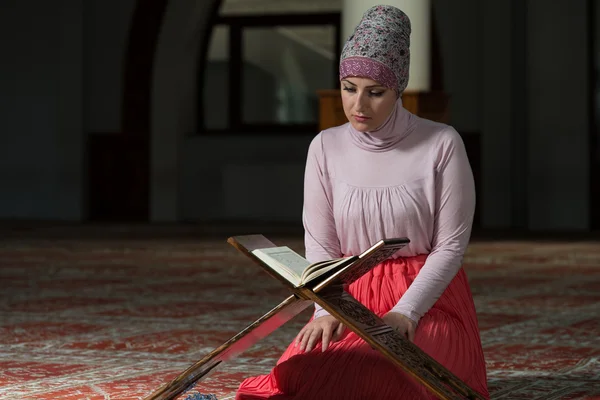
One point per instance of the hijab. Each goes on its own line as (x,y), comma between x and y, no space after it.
(379,49)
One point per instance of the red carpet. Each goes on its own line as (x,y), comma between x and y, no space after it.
(108,320)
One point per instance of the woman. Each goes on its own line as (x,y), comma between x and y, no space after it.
(387,173)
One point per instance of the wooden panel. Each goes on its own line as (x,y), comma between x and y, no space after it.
(430,105)
(331,112)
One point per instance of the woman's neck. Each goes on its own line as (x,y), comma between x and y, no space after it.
(395,128)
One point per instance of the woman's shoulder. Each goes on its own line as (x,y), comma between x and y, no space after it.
(437,132)
(441,142)
(329,138)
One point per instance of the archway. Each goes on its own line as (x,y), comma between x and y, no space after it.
(182,44)
(133,173)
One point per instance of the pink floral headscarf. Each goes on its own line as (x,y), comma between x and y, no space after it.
(379,48)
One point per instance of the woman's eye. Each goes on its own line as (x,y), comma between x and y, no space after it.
(351,90)
(376,94)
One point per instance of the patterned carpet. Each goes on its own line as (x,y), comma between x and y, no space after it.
(115,319)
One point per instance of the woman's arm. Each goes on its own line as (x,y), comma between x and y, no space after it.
(453,218)
(320,237)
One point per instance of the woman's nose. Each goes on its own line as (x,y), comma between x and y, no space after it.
(361,102)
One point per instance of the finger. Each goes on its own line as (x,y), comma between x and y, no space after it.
(312,340)
(338,332)
(299,337)
(404,332)
(411,334)
(326,338)
(304,339)
(401,330)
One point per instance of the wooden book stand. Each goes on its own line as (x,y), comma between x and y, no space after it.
(329,293)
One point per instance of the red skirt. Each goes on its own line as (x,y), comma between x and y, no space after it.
(351,369)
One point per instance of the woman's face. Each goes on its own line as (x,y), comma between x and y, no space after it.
(367,104)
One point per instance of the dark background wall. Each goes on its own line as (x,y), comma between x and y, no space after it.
(517,72)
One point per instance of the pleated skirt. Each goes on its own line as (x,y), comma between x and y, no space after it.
(351,369)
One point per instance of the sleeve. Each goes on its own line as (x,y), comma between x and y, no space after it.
(320,237)
(453,218)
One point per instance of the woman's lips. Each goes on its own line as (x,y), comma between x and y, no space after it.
(361,118)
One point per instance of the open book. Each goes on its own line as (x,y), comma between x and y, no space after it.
(296,269)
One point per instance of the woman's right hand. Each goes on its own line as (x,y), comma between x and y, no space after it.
(326,328)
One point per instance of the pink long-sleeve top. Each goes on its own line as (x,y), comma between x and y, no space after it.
(409,178)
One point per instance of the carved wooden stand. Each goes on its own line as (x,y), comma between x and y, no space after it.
(329,293)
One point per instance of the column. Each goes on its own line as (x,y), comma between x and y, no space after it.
(558,140)
(419,12)
(497,118)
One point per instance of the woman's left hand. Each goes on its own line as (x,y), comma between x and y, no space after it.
(402,324)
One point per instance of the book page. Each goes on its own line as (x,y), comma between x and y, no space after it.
(316,267)
(317,270)
(285,258)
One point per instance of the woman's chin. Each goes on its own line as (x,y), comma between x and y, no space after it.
(362,126)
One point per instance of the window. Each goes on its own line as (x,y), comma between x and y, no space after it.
(263,72)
